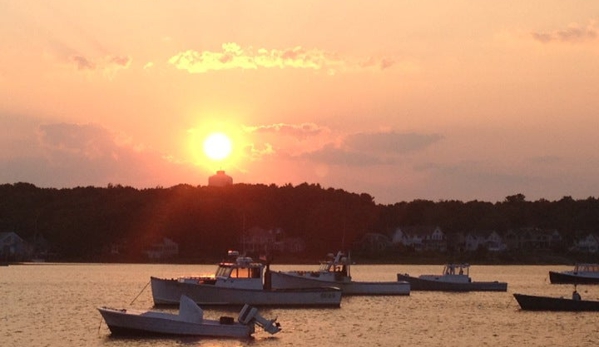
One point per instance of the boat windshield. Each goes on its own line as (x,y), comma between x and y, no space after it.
(238,272)
(223,271)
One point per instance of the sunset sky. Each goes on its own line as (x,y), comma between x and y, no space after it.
(403,100)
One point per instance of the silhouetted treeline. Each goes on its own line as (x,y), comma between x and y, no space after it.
(83,223)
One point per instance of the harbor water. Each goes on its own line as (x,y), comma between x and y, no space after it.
(55,305)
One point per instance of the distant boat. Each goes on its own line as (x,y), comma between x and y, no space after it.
(454,278)
(544,303)
(188,322)
(237,282)
(583,273)
(335,272)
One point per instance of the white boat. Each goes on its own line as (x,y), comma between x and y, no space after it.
(188,322)
(455,278)
(335,271)
(238,282)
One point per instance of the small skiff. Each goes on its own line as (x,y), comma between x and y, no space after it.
(188,322)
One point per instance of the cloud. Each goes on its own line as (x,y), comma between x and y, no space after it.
(67,155)
(234,56)
(108,65)
(300,131)
(83,63)
(284,140)
(390,142)
(573,33)
(86,140)
(333,155)
(365,149)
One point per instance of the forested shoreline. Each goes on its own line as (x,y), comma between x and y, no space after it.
(83,223)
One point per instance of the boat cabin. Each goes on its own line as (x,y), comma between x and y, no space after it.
(456,269)
(242,272)
(337,264)
(456,273)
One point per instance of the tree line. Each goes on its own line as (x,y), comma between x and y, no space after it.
(82,223)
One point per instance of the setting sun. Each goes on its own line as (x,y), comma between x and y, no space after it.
(217,146)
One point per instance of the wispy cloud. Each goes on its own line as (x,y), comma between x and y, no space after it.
(573,33)
(108,65)
(234,56)
(83,63)
(300,131)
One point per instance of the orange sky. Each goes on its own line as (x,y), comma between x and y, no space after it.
(399,99)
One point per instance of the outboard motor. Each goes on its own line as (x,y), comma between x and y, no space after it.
(249,315)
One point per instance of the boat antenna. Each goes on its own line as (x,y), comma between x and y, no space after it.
(243,233)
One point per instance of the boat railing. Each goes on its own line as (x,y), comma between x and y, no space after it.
(586,268)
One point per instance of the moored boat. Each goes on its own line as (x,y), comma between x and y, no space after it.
(584,273)
(188,322)
(454,278)
(237,282)
(545,303)
(336,272)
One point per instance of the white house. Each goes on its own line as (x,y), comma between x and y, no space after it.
(420,238)
(489,240)
(13,247)
(588,244)
(162,250)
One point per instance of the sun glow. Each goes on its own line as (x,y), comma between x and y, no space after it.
(217,146)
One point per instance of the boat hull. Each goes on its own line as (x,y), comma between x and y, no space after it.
(419,284)
(283,280)
(121,322)
(543,303)
(571,278)
(168,292)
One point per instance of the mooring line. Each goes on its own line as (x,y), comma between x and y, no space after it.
(144,288)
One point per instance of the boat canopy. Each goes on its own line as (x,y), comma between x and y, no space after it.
(586,267)
(456,269)
(336,263)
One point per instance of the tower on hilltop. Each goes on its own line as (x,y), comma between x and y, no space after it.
(220,179)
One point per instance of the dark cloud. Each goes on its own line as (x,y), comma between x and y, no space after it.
(67,155)
(574,33)
(365,149)
(390,142)
(337,156)
(83,63)
(107,63)
(121,61)
(300,131)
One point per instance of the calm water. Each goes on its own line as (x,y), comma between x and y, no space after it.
(55,305)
